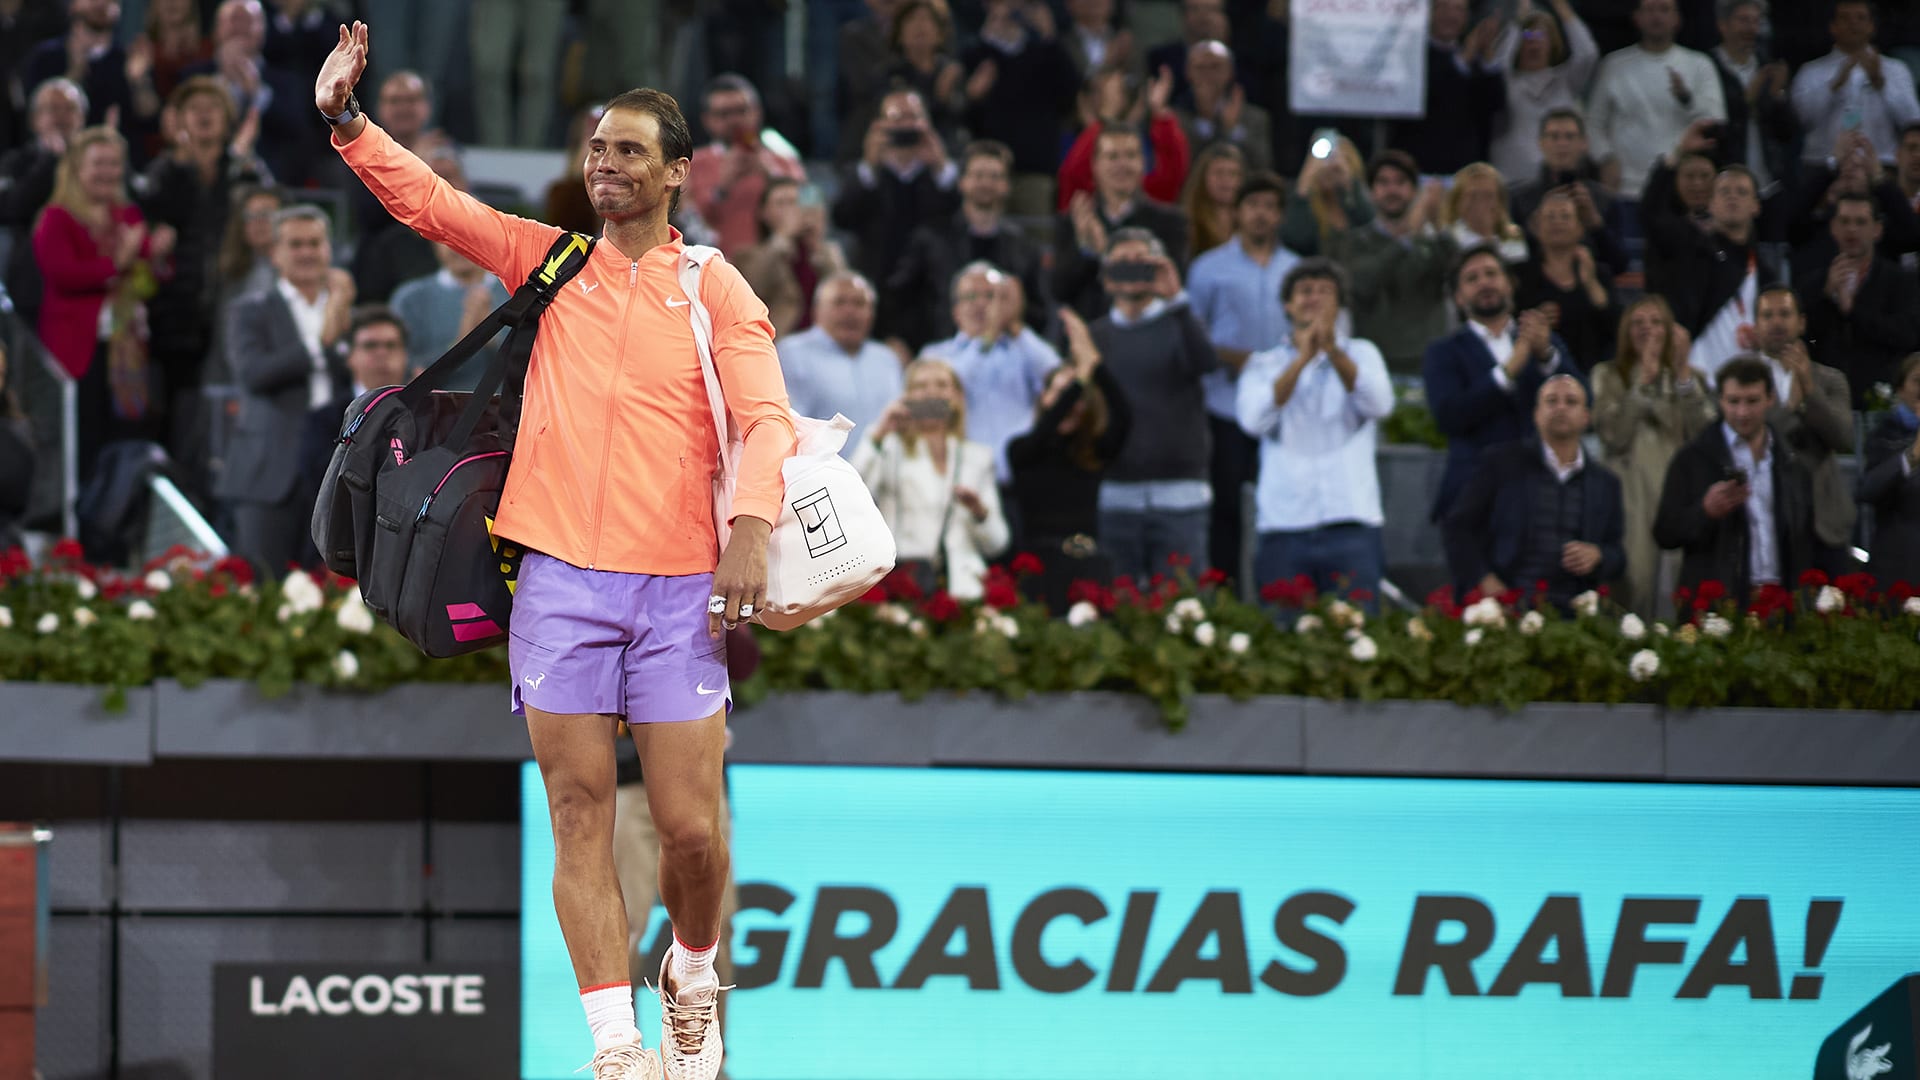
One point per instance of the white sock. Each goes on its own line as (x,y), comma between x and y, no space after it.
(610,1014)
(691,965)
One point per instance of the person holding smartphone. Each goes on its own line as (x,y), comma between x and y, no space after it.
(935,487)
(1738,501)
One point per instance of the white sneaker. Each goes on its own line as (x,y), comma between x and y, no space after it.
(690,1047)
(628,1061)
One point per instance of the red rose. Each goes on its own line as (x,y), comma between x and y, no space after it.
(1899,591)
(941,607)
(1002,594)
(1813,579)
(1361,596)
(1212,578)
(66,550)
(1860,586)
(1179,561)
(875,595)
(1027,563)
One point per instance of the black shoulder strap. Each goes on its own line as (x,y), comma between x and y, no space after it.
(506,374)
(520,312)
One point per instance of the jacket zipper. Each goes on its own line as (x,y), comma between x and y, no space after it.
(606,441)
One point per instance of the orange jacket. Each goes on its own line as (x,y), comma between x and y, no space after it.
(613,466)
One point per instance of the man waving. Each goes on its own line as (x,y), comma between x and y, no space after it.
(624,592)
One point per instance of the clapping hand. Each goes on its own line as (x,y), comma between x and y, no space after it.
(971,500)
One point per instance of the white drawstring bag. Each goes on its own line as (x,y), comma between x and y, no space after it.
(830,545)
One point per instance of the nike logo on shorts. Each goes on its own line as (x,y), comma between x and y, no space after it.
(703,691)
(681,303)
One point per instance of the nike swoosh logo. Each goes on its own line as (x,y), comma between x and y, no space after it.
(818,527)
(703,691)
(678,303)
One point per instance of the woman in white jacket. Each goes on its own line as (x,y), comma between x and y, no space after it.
(1545,71)
(936,489)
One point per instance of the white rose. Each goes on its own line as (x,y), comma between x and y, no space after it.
(1660,629)
(1715,626)
(1631,627)
(1174,625)
(1644,665)
(1345,614)
(140,611)
(1532,623)
(303,593)
(347,666)
(1239,643)
(86,588)
(1307,624)
(1475,635)
(916,627)
(893,615)
(1082,614)
(1911,607)
(1587,604)
(1008,626)
(158,581)
(1486,612)
(354,616)
(48,623)
(84,617)
(1363,649)
(285,612)
(1190,609)
(6,617)
(1205,634)
(1829,600)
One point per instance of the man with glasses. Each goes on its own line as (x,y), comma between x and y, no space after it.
(730,173)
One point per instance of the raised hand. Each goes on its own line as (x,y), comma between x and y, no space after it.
(342,70)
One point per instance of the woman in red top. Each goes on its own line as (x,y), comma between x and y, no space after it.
(98,261)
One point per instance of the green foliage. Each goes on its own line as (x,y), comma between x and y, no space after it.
(1826,648)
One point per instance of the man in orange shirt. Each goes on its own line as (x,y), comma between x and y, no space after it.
(624,593)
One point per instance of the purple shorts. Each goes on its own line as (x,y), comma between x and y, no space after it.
(628,645)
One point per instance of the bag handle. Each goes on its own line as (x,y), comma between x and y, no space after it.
(696,257)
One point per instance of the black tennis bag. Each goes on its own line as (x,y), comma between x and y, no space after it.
(407,505)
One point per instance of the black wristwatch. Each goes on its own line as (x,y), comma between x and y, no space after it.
(347,117)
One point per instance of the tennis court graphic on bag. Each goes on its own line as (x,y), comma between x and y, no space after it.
(408,502)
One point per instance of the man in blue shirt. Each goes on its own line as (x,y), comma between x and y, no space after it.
(1235,289)
(1002,364)
(1315,402)
(834,366)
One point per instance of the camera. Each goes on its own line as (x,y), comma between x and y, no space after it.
(930,409)
(903,137)
(1131,273)
(1324,141)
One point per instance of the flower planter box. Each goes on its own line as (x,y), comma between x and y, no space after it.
(57,722)
(1122,731)
(1437,738)
(1789,746)
(415,722)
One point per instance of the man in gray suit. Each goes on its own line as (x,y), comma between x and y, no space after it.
(1812,413)
(282,345)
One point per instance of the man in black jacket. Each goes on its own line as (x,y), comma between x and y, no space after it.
(1860,306)
(26,183)
(980,232)
(1538,510)
(1464,91)
(903,180)
(1738,502)
(1761,124)
(1117,202)
(1718,267)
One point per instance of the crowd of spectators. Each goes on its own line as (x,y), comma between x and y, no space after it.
(1077,273)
